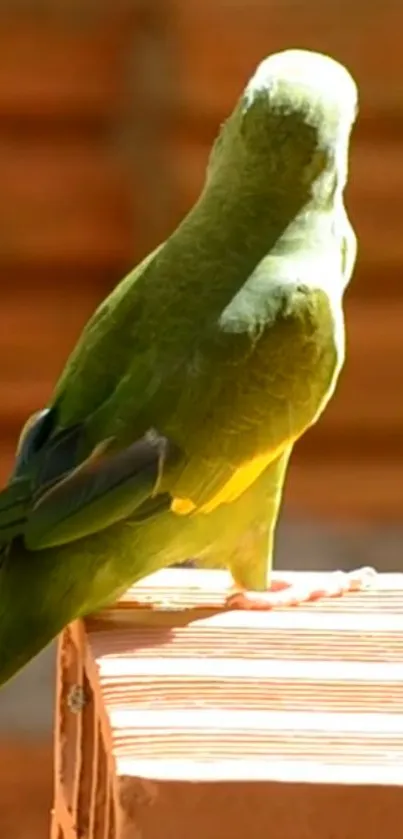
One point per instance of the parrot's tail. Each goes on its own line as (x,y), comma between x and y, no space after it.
(29,618)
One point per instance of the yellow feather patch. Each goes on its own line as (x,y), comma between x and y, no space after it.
(182,506)
(239,482)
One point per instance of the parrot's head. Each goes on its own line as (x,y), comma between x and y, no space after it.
(291,126)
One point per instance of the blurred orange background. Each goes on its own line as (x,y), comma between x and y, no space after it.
(107,113)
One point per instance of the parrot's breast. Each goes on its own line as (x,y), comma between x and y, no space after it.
(267,392)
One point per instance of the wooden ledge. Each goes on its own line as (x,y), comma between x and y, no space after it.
(176,718)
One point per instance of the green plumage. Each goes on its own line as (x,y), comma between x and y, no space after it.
(170,430)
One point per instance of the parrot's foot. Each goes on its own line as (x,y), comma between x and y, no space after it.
(285,594)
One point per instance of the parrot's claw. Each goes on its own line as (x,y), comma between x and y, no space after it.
(285,594)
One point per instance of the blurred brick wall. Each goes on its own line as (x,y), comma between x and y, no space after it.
(107,113)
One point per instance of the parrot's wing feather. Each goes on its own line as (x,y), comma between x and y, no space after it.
(42,458)
(45,453)
(14,504)
(59,456)
(33,437)
(99,493)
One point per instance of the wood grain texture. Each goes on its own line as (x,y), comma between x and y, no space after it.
(287,723)
(25,788)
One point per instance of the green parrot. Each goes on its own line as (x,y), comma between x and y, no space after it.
(170,430)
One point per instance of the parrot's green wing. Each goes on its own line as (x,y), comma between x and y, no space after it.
(43,455)
(100,492)
(99,360)
(14,503)
(64,502)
